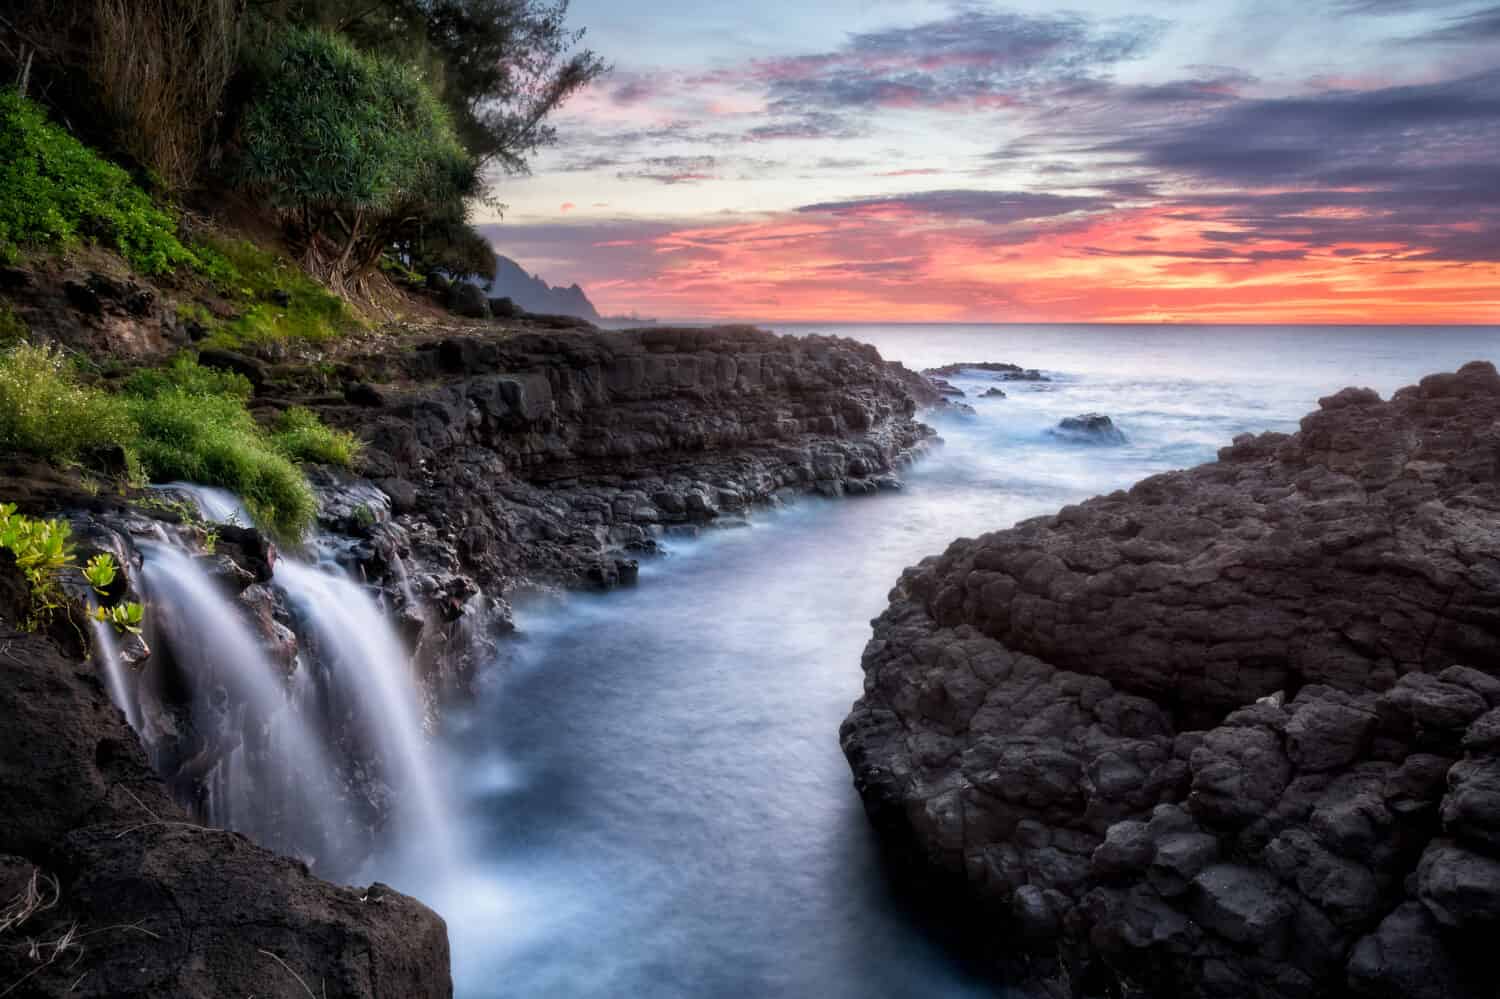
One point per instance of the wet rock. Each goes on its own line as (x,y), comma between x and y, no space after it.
(992,393)
(1090,428)
(1270,677)
(1460,888)
(1242,904)
(999,369)
(1407,957)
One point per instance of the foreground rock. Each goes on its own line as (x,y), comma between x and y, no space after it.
(1090,428)
(108,890)
(1234,732)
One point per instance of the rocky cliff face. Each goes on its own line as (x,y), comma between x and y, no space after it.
(1232,732)
(562,456)
(108,889)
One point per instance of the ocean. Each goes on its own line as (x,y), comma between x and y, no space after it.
(652,797)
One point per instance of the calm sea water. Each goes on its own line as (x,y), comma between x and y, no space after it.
(650,787)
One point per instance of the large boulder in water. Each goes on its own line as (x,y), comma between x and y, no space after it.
(1090,428)
(1231,732)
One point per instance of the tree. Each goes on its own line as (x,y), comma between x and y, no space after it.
(353,150)
(501,67)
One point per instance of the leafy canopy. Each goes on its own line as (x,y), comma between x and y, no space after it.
(331,128)
(501,67)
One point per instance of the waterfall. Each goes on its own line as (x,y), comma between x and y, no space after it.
(107,654)
(265,768)
(218,506)
(356,642)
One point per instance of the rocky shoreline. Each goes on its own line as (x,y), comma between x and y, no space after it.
(496,459)
(1229,733)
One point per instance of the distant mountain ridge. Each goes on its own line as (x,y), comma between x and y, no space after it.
(535,295)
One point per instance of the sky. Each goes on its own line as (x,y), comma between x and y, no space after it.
(1296,161)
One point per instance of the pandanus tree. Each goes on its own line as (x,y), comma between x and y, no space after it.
(355,151)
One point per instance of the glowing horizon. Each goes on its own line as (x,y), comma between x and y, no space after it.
(973,162)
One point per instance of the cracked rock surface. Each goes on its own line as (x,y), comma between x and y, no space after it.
(1232,732)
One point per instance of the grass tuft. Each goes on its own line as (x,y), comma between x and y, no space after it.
(301,436)
(281,302)
(45,411)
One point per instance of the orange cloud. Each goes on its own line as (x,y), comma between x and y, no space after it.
(1144,265)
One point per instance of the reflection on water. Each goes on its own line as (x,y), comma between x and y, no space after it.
(654,802)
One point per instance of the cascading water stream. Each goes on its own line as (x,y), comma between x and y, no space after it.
(107,651)
(268,773)
(358,644)
(219,506)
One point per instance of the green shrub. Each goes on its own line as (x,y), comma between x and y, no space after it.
(352,148)
(187,430)
(301,436)
(46,412)
(56,192)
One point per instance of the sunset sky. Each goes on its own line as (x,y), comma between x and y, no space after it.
(1256,161)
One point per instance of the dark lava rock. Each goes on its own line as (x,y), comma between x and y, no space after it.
(1090,428)
(1256,699)
(992,393)
(947,388)
(228,360)
(504,308)
(139,901)
(467,300)
(546,454)
(1004,372)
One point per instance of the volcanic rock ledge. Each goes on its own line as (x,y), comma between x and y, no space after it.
(558,456)
(1234,732)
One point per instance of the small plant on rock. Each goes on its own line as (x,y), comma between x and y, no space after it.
(101,572)
(127,618)
(43,549)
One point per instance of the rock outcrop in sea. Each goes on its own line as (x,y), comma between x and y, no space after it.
(1001,370)
(1232,732)
(1090,428)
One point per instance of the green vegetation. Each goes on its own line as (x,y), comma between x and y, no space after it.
(56,192)
(301,436)
(193,425)
(125,617)
(12,329)
(183,421)
(100,572)
(258,279)
(43,549)
(351,148)
(45,411)
(501,67)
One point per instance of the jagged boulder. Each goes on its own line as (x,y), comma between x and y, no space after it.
(1257,699)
